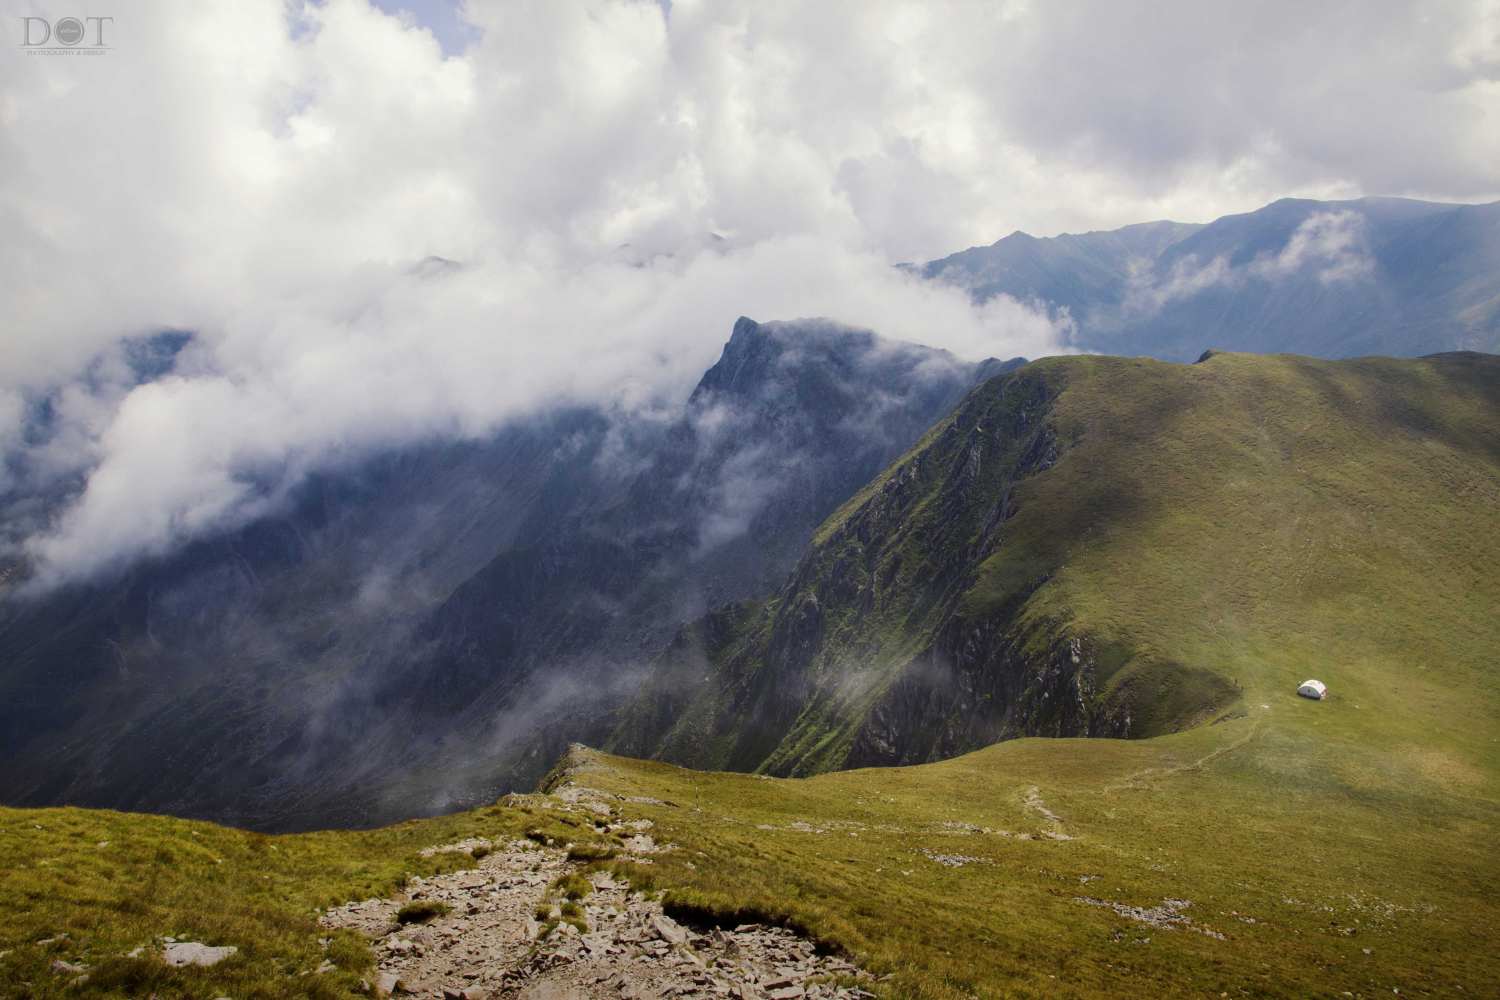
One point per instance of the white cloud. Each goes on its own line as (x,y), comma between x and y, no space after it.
(1148,293)
(12,411)
(1330,244)
(266,174)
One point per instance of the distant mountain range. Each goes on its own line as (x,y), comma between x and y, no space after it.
(1331,279)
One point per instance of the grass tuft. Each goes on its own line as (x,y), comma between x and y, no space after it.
(572,886)
(589,853)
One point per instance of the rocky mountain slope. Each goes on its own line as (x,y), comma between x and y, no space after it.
(1052,558)
(1326,278)
(541,647)
(219,680)
(437,609)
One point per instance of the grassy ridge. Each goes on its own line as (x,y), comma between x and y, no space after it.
(1270,519)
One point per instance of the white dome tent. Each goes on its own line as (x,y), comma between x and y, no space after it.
(1316,690)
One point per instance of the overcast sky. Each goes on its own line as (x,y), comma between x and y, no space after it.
(267,175)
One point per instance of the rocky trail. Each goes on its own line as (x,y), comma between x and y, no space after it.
(529,923)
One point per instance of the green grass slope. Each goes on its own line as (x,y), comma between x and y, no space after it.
(90,886)
(1269,519)
(1107,546)
(1009,872)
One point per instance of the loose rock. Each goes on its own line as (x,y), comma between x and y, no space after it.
(488,944)
(195,953)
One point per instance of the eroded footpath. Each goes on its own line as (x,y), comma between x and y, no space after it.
(506,929)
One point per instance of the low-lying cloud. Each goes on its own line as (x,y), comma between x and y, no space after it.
(1330,247)
(390,356)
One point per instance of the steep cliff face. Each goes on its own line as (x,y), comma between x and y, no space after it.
(982,682)
(867,654)
(792,419)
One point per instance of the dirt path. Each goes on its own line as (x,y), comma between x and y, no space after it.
(488,929)
(1034,802)
(1153,773)
(489,943)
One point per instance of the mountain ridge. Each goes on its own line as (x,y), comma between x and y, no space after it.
(1376,275)
(939,610)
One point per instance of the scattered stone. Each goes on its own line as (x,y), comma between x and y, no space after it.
(668,930)
(952,860)
(490,944)
(643,843)
(181,953)
(1168,916)
(68,968)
